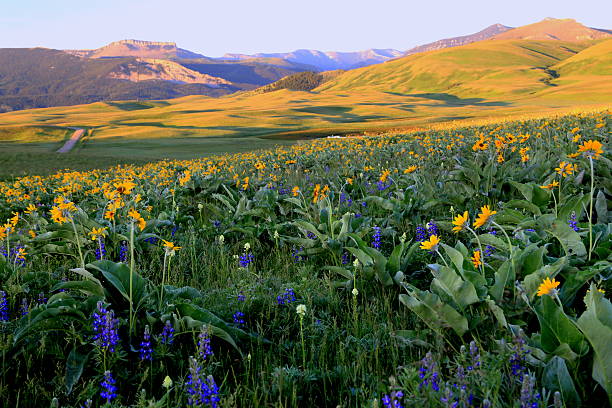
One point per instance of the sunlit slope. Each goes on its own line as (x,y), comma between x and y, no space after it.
(484,79)
(508,68)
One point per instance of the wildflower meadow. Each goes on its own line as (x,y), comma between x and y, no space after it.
(466,266)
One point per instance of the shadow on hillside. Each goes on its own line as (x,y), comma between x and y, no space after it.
(452,100)
(338,114)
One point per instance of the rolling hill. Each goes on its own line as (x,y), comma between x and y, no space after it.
(481,79)
(555,29)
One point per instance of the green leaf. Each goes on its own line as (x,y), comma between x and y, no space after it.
(74,368)
(533,280)
(526,205)
(455,256)
(118,275)
(596,324)
(504,276)
(557,328)
(601,208)
(462,292)
(556,377)
(305,225)
(435,313)
(569,239)
(498,312)
(525,189)
(490,239)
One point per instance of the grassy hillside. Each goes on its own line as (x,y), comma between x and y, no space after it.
(480,80)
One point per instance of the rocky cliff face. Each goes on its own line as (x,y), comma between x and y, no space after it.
(485,34)
(137,48)
(144,69)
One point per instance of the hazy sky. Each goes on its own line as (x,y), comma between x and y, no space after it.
(248,26)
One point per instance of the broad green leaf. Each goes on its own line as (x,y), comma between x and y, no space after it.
(504,277)
(556,377)
(435,313)
(557,328)
(524,205)
(74,368)
(596,324)
(498,312)
(461,292)
(532,281)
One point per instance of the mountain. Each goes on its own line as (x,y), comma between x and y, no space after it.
(485,34)
(136,48)
(329,60)
(40,77)
(492,68)
(554,29)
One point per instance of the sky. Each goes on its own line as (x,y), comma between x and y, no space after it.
(216,27)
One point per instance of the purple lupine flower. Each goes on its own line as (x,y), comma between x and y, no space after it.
(105,327)
(109,390)
(101,249)
(202,392)
(286,298)
(296,254)
(246,259)
(41,299)
(167,334)
(238,318)
(428,373)
(421,234)
(24,309)
(393,400)
(518,355)
(4,308)
(217,224)
(310,235)
(529,396)
(432,229)
(241,297)
(573,223)
(87,404)
(123,251)
(475,356)
(146,352)
(376,237)
(204,348)
(346,258)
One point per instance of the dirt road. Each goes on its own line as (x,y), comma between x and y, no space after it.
(78,133)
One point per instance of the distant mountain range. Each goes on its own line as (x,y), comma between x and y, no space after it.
(131,69)
(328,60)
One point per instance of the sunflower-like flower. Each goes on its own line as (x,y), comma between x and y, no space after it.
(137,218)
(97,233)
(548,286)
(484,216)
(124,187)
(550,186)
(432,244)
(170,248)
(476,259)
(460,222)
(591,148)
(565,169)
(57,215)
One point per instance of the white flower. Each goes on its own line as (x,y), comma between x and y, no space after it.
(301,310)
(167,382)
(200,206)
(355,292)
(356,263)
(247,246)
(276,235)
(221,239)
(403,238)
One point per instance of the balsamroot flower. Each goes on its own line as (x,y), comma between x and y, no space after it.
(484,216)
(548,287)
(461,221)
(476,259)
(432,244)
(591,149)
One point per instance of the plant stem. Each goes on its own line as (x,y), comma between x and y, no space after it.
(76,236)
(591,208)
(302,339)
(161,294)
(131,277)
